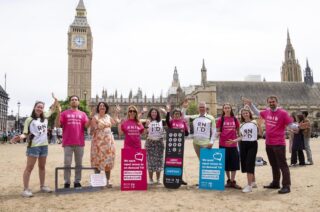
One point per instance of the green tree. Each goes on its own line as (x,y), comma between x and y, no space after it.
(192,109)
(64,106)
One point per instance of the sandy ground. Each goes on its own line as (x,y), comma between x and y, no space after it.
(304,194)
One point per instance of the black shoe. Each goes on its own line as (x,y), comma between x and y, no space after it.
(284,190)
(184,183)
(272,186)
(228,184)
(67,185)
(77,185)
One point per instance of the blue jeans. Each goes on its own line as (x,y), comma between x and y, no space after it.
(37,151)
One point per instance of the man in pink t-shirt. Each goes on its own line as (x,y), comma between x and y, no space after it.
(276,121)
(73,123)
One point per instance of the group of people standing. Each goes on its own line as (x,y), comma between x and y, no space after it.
(234,136)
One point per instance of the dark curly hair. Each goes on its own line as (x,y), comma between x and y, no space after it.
(106,106)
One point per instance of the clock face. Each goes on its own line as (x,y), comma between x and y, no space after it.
(79,41)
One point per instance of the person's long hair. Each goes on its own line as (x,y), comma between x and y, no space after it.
(250,114)
(136,118)
(231,112)
(34,115)
(158,118)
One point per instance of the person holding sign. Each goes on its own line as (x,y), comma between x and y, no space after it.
(103,148)
(35,130)
(204,127)
(132,129)
(177,122)
(249,131)
(154,144)
(227,128)
(276,120)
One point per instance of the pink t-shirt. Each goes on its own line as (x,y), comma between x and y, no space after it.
(229,131)
(276,123)
(73,126)
(178,124)
(132,132)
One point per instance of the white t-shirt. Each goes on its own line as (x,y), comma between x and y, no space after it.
(203,129)
(38,129)
(155,130)
(249,131)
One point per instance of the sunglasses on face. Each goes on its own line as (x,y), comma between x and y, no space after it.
(132,111)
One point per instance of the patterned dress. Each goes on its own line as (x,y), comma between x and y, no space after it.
(103,148)
(155,146)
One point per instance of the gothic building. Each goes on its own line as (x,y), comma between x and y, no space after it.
(291,71)
(294,95)
(79,55)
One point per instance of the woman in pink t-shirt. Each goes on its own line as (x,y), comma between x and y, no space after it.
(228,128)
(132,129)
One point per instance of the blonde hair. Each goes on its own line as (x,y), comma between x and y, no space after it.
(136,118)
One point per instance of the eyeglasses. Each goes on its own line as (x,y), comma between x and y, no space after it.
(132,111)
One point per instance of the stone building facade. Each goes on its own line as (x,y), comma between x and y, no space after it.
(4,98)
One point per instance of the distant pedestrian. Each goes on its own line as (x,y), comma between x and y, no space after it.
(306,126)
(298,144)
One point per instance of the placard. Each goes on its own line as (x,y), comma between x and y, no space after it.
(98,180)
(212,168)
(133,169)
(173,166)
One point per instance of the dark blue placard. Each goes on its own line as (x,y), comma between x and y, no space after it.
(212,165)
(173,163)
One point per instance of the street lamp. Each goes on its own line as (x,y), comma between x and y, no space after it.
(85,96)
(18,125)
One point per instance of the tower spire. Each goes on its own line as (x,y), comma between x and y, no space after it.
(288,38)
(175,82)
(308,75)
(203,74)
(81,5)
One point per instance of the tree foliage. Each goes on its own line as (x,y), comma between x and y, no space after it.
(192,109)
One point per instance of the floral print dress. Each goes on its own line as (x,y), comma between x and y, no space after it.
(103,148)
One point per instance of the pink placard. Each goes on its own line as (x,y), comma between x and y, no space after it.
(174,161)
(133,169)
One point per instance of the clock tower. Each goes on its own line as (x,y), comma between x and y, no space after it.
(80,55)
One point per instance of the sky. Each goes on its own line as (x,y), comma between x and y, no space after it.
(137,43)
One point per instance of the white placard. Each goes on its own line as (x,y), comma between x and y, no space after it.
(98,180)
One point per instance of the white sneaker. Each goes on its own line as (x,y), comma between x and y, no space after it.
(151,182)
(27,193)
(254,185)
(45,189)
(247,189)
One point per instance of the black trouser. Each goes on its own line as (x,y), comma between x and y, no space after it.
(277,159)
(294,156)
